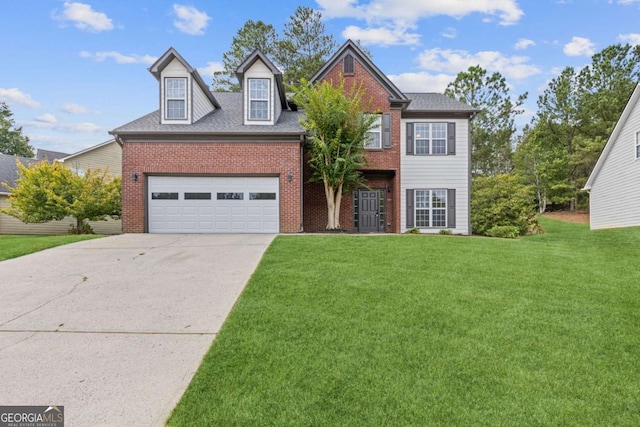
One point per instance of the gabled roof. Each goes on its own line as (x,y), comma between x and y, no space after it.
(49,155)
(633,100)
(277,74)
(86,150)
(170,55)
(351,48)
(9,170)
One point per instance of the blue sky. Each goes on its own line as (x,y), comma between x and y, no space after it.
(71,71)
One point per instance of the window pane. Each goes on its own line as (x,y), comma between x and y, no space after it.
(259,110)
(439,146)
(422,217)
(422,146)
(259,89)
(438,218)
(175,109)
(197,196)
(422,130)
(262,196)
(176,88)
(422,199)
(439,198)
(373,140)
(438,131)
(230,196)
(164,196)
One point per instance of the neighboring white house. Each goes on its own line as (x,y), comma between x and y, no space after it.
(614,184)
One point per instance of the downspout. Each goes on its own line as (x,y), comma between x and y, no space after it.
(302,139)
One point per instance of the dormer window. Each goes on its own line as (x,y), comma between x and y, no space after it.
(259,99)
(176,98)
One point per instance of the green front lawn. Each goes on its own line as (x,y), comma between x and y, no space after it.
(15,246)
(431,330)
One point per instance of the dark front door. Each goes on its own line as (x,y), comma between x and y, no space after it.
(368,211)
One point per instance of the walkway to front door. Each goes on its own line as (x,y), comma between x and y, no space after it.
(370,211)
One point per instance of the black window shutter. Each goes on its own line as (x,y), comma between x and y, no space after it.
(410,210)
(347,63)
(409,138)
(451,139)
(451,208)
(386,130)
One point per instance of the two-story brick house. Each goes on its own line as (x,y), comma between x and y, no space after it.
(235,162)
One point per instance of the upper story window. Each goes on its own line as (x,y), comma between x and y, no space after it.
(374,136)
(637,145)
(431,138)
(175,98)
(259,99)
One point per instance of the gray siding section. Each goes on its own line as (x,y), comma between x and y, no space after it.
(438,172)
(201,104)
(108,156)
(615,193)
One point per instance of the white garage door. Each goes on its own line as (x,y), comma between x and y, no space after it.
(179,204)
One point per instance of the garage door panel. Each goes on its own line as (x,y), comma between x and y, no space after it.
(179,204)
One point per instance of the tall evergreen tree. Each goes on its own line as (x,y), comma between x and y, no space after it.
(493,128)
(12,141)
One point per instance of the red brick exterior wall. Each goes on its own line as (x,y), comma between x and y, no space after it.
(258,158)
(387,160)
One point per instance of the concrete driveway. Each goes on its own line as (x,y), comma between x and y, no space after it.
(115,328)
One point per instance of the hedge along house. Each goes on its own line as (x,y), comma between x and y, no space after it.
(235,162)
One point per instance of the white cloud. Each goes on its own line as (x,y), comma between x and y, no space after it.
(72,108)
(211,68)
(579,46)
(63,127)
(381,36)
(523,44)
(15,95)
(631,38)
(396,18)
(449,33)
(627,1)
(422,82)
(454,61)
(190,20)
(46,118)
(84,17)
(119,58)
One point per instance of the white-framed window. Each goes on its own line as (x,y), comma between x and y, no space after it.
(175,93)
(431,208)
(259,99)
(430,138)
(374,136)
(637,145)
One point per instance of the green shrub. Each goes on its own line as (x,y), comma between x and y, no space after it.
(504,231)
(414,230)
(503,201)
(445,232)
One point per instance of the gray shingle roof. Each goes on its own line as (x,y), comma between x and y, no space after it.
(227,120)
(49,155)
(9,169)
(436,102)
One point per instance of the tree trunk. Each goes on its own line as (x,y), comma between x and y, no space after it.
(329,193)
(336,210)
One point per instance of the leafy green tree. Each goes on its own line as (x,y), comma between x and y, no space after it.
(50,191)
(493,128)
(253,35)
(12,141)
(502,200)
(304,46)
(337,130)
(544,165)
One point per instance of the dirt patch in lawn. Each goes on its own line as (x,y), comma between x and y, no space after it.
(580,217)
